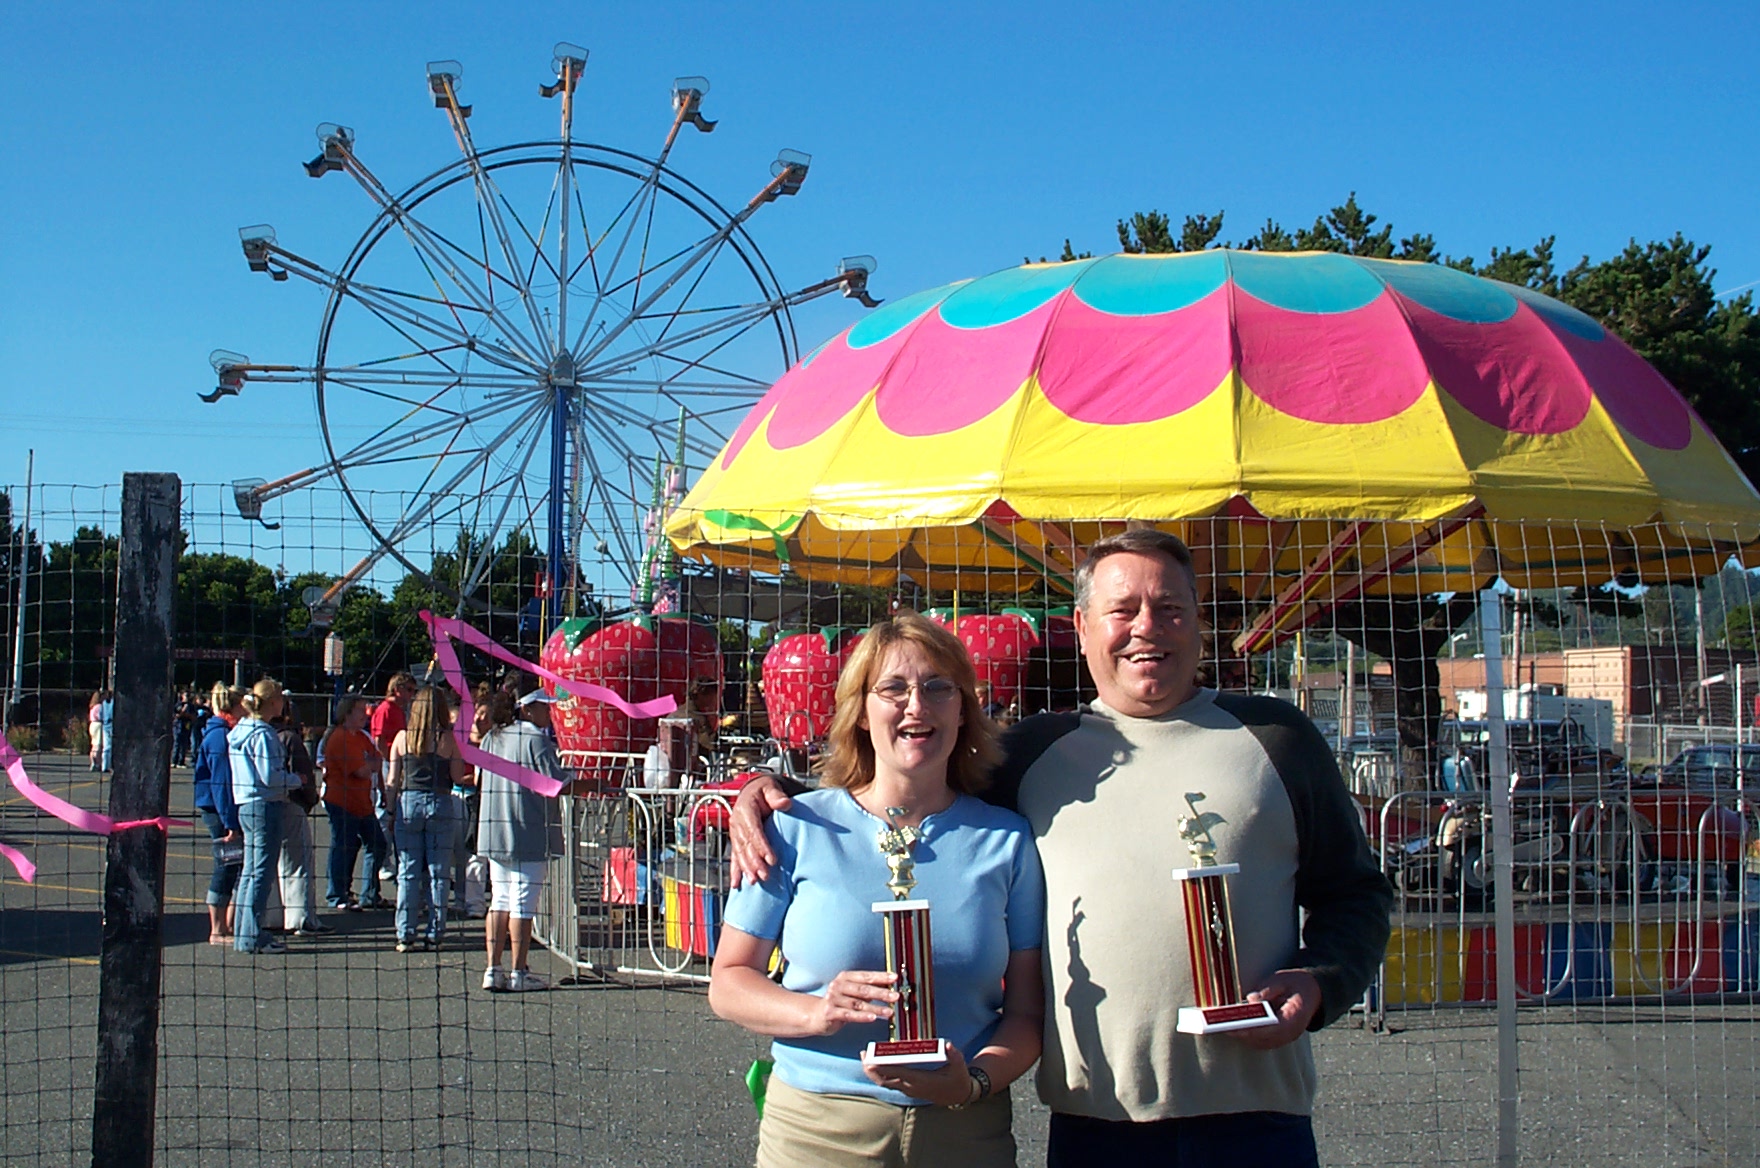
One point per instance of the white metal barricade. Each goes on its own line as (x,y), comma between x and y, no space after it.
(641,886)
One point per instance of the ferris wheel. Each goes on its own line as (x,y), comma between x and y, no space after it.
(546,337)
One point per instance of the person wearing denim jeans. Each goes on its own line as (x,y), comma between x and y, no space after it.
(348,835)
(262,822)
(425,829)
(260,783)
(424,764)
(213,798)
(350,761)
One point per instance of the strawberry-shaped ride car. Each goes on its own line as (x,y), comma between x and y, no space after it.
(640,657)
(800,683)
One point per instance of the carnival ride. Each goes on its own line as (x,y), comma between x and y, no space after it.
(543,338)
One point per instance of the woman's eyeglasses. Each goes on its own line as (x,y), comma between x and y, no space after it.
(934,692)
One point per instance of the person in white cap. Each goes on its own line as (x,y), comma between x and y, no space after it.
(518,831)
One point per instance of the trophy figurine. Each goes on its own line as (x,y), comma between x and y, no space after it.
(1216,977)
(908,954)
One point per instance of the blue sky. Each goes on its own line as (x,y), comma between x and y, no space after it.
(948,140)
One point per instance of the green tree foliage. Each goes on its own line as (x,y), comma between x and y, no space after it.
(1741,628)
(20,555)
(1151,232)
(78,599)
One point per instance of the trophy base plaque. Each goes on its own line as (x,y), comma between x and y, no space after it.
(1216,1019)
(911,1052)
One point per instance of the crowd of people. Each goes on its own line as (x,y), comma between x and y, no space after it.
(396,790)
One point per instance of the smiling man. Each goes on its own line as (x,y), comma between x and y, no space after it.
(1103,788)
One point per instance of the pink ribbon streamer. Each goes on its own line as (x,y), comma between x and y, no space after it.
(77,817)
(444,629)
(27,871)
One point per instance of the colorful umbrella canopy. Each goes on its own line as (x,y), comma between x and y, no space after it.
(1298,414)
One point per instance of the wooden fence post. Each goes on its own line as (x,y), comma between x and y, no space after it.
(123,1104)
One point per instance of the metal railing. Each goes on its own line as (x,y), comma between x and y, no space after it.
(1609,906)
(640,888)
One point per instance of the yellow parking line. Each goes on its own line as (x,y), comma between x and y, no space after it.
(18,800)
(49,957)
(98,892)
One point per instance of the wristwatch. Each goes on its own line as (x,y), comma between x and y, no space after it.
(981,1088)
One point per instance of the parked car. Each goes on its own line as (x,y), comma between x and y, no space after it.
(1720,766)
(1544,754)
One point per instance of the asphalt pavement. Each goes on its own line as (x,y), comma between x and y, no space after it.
(344,1052)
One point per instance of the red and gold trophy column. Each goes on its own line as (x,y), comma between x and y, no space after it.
(1216,975)
(908,956)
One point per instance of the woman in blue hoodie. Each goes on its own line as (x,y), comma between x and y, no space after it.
(219,813)
(260,782)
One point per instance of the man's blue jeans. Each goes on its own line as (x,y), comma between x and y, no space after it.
(348,834)
(261,822)
(425,828)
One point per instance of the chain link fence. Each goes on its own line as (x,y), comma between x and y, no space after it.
(1633,907)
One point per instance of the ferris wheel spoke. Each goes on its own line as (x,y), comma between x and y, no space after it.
(682,307)
(367,375)
(569,61)
(489,553)
(590,261)
(735,324)
(639,202)
(536,242)
(740,317)
(485,301)
(395,310)
(384,443)
(701,364)
(644,270)
(790,172)
(740,390)
(597,481)
(708,416)
(424,241)
(687,97)
(424,512)
(605,406)
(444,84)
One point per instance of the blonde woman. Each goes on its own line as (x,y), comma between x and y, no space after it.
(425,762)
(214,800)
(909,746)
(260,782)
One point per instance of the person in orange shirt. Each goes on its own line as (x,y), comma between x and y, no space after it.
(351,764)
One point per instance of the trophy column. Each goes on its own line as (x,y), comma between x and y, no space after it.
(909,957)
(1216,976)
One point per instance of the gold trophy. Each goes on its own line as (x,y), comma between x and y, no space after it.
(1216,976)
(908,955)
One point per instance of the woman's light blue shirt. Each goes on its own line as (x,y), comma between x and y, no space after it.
(979,870)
